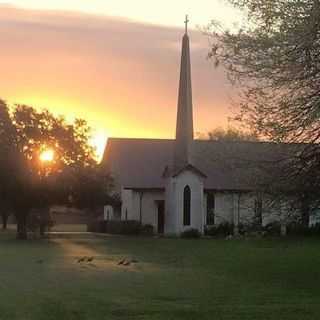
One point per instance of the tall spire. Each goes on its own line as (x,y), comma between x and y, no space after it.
(184,129)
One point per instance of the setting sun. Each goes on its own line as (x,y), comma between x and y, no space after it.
(47,155)
(99,141)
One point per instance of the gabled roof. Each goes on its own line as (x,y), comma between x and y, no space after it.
(140,163)
(189,167)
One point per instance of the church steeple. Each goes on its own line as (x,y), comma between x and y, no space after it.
(184,129)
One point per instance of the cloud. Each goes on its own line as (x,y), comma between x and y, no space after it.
(119,74)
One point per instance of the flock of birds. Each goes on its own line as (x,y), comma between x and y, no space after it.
(85,259)
(123,262)
(126,262)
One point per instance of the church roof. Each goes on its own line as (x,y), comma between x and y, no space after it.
(188,167)
(140,163)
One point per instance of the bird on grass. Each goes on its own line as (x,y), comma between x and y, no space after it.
(127,263)
(124,262)
(82,259)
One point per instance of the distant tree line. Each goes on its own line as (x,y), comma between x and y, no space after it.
(230,134)
(73,177)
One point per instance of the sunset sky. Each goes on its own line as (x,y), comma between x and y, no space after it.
(114,63)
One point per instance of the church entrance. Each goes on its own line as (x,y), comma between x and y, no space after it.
(160,205)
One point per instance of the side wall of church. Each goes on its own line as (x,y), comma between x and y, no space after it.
(126,208)
(233,207)
(230,207)
(141,205)
(150,207)
(239,208)
(224,210)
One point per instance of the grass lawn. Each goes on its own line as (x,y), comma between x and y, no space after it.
(173,279)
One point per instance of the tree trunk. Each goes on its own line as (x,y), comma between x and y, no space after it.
(22,233)
(305,212)
(258,208)
(283,230)
(44,221)
(42,229)
(5,221)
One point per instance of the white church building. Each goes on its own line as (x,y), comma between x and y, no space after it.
(183,183)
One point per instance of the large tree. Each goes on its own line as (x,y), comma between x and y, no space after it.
(37,184)
(274,60)
(7,157)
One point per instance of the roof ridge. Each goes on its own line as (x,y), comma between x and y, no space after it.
(140,139)
(202,140)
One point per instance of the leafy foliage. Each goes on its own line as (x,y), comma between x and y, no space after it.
(7,157)
(72,177)
(223,229)
(231,134)
(191,234)
(274,61)
(127,227)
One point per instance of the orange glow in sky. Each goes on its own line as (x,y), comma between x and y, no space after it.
(164,12)
(47,155)
(120,74)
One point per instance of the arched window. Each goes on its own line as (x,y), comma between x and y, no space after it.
(187,206)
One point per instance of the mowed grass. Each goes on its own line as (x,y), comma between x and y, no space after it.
(173,279)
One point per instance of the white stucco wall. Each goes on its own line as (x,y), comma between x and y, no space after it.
(150,207)
(131,201)
(175,201)
(126,207)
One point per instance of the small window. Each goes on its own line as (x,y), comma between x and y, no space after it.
(187,206)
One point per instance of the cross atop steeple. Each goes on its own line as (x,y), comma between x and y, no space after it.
(186,23)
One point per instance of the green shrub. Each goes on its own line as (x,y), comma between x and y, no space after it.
(250,228)
(147,229)
(128,227)
(191,234)
(96,226)
(272,228)
(223,229)
(298,229)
